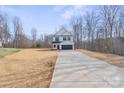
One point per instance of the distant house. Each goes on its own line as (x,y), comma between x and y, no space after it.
(63,40)
(1,44)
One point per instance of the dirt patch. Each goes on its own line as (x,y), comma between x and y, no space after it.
(109,58)
(28,68)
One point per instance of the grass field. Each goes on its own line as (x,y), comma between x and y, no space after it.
(7,51)
(109,58)
(27,68)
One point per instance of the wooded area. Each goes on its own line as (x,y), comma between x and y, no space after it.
(17,38)
(101,30)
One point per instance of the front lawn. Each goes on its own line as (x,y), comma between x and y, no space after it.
(7,51)
(107,57)
(28,68)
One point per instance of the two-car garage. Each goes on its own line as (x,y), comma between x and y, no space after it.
(66,47)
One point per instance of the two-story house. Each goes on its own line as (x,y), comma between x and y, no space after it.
(63,40)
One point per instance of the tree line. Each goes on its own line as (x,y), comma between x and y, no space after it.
(100,30)
(17,38)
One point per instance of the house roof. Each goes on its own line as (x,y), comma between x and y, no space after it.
(63,31)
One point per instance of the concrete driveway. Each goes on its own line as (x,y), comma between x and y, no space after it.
(74,69)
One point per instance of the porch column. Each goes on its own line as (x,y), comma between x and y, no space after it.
(60,46)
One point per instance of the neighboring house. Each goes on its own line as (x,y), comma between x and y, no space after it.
(1,44)
(63,40)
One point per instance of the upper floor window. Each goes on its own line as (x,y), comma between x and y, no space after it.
(56,39)
(69,38)
(64,38)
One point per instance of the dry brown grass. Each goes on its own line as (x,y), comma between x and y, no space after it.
(28,68)
(109,58)
(8,51)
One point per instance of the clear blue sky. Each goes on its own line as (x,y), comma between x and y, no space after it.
(44,18)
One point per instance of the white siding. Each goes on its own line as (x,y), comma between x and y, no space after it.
(0,44)
(53,38)
(63,42)
(55,45)
(67,43)
(60,38)
(71,38)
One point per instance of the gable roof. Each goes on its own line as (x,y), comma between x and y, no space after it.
(63,31)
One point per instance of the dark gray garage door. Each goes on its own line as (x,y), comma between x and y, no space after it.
(66,47)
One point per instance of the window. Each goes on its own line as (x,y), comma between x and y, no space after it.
(56,39)
(54,46)
(68,38)
(64,38)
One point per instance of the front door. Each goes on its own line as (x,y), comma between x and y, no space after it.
(57,46)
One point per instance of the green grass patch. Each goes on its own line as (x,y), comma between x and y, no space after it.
(8,51)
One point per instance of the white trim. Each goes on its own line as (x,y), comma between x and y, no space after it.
(1,44)
(60,45)
(60,35)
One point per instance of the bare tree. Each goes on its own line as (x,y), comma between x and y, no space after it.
(34,36)
(76,24)
(4,29)
(18,32)
(109,14)
(91,22)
